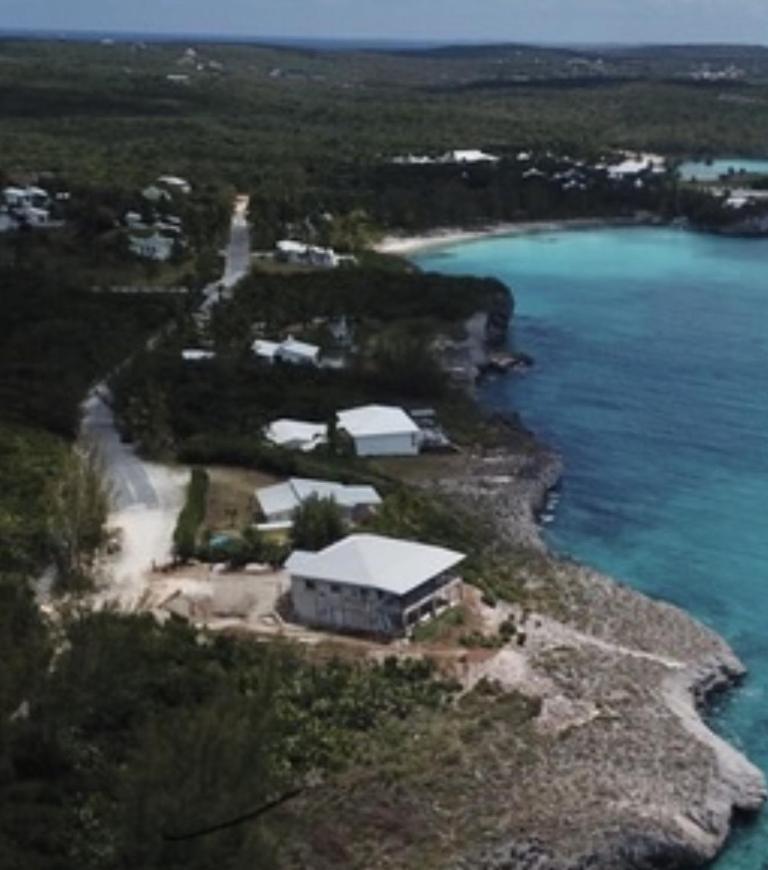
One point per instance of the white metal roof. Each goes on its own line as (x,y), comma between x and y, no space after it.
(375,562)
(195,355)
(369,420)
(298,348)
(470,155)
(289,495)
(173,181)
(306,436)
(291,246)
(262,347)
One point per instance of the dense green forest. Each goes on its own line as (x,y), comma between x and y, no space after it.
(141,739)
(287,121)
(163,401)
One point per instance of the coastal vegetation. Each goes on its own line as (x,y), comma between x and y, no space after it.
(394,318)
(312,133)
(191,515)
(110,772)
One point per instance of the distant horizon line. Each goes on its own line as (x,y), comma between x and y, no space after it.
(123,35)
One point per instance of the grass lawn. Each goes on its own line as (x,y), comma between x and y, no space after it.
(230,497)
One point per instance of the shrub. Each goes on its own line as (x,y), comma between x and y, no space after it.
(317,523)
(191,516)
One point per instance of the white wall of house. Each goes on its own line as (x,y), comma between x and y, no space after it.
(297,358)
(398,444)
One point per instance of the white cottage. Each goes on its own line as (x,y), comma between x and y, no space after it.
(298,352)
(373,584)
(289,351)
(469,155)
(278,502)
(381,430)
(179,185)
(296,434)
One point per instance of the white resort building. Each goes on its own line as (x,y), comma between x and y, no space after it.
(373,584)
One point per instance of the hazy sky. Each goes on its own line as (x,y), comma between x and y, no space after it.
(497,20)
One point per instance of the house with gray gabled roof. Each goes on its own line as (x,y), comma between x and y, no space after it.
(278,502)
(373,584)
(381,430)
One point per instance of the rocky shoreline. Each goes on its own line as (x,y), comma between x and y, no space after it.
(642,779)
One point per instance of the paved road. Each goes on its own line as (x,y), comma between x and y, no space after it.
(238,257)
(146,496)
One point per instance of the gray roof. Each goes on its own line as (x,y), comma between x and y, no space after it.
(375,562)
(369,420)
(289,495)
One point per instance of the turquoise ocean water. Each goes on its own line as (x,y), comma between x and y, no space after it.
(651,347)
(693,171)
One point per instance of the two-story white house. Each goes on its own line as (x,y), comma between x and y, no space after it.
(373,584)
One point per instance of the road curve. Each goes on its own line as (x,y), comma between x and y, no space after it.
(146,496)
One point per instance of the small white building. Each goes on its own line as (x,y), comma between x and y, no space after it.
(289,351)
(373,584)
(134,220)
(153,247)
(296,434)
(265,350)
(194,354)
(34,216)
(634,164)
(155,194)
(413,160)
(302,254)
(469,155)
(178,185)
(298,352)
(24,197)
(381,430)
(278,502)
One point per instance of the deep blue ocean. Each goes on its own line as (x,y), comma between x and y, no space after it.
(651,378)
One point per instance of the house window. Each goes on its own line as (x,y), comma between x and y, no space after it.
(335,588)
(310,584)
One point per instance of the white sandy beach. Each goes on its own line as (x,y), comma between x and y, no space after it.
(403,245)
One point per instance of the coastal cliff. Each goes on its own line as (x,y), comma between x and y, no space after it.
(627,775)
(580,745)
(577,739)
